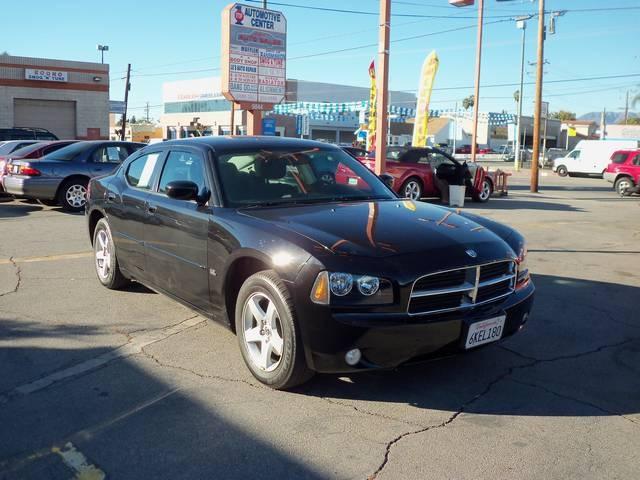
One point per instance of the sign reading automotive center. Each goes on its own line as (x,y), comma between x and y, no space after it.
(254,52)
(45,75)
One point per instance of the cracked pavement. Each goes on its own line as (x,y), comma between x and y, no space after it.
(141,387)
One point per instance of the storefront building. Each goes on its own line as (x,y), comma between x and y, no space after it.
(70,99)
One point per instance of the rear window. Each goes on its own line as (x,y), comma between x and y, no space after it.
(69,152)
(24,151)
(618,157)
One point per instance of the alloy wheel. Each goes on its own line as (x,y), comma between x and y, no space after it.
(485,193)
(623,185)
(262,332)
(103,255)
(76,196)
(412,190)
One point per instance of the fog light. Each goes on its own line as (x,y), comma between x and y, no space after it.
(352,357)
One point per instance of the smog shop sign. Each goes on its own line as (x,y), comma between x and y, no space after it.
(45,75)
(254,52)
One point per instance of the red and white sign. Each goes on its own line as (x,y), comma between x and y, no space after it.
(254,43)
(45,75)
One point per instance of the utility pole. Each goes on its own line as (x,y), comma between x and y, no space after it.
(127,87)
(538,105)
(455,129)
(626,109)
(146,109)
(233,118)
(603,125)
(264,4)
(382,87)
(476,97)
(521,23)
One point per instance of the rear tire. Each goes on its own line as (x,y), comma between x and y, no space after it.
(105,259)
(562,171)
(622,184)
(73,194)
(268,332)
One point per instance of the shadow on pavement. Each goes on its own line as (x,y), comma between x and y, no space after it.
(583,340)
(507,203)
(15,210)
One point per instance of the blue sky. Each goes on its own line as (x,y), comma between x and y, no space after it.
(163,38)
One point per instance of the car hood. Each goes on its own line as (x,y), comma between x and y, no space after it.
(385,228)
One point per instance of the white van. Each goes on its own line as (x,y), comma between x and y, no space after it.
(591,157)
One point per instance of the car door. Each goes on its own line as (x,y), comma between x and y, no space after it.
(176,234)
(126,206)
(106,157)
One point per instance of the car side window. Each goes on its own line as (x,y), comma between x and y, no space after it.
(110,154)
(435,159)
(140,172)
(636,159)
(575,154)
(182,166)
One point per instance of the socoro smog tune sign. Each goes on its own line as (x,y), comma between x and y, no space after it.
(254,51)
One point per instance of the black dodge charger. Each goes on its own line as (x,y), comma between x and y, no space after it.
(313,272)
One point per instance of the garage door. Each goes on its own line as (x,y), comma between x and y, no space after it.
(56,116)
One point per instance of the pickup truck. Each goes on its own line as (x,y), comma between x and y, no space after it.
(624,171)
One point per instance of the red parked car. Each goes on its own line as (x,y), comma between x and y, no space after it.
(624,171)
(413,170)
(33,150)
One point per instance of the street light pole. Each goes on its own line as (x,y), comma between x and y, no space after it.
(382,88)
(476,97)
(522,25)
(538,105)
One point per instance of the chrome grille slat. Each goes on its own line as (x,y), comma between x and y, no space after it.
(462,288)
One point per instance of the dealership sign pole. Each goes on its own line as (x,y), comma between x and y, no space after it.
(254,42)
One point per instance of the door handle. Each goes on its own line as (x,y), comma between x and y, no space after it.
(111,196)
(152,209)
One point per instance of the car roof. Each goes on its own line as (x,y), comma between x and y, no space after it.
(228,142)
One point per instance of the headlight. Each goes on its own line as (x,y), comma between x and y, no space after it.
(340,283)
(523,268)
(368,285)
(338,289)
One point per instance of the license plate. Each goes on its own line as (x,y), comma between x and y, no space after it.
(485,331)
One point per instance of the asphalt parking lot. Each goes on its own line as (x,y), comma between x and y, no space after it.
(131,385)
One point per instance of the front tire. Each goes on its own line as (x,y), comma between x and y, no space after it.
(73,195)
(268,332)
(562,171)
(622,184)
(412,189)
(105,260)
(485,192)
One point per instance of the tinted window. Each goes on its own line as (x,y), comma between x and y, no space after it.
(574,154)
(289,176)
(437,158)
(110,154)
(25,150)
(69,152)
(140,171)
(618,157)
(636,160)
(182,166)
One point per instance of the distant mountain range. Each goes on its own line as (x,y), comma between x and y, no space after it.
(612,117)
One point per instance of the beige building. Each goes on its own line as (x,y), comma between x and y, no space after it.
(70,99)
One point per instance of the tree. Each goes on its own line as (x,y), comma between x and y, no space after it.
(468,102)
(630,121)
(516,96)
(133,119)
(563,115)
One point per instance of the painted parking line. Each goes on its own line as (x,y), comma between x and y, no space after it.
(76,461)
(47,258)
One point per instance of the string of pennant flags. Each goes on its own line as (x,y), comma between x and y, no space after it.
(335,111)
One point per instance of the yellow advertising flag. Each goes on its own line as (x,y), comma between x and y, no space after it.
(371,128)
(572,132)
(427,77)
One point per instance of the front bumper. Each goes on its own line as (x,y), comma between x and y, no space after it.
(388,340)
(44,188)
(609,176)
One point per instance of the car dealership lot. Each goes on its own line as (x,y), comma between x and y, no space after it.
(133,385)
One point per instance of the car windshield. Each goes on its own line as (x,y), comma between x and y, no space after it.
(264,178)
(69,152)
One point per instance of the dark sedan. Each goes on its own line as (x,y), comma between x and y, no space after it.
(311,275)
(61,177)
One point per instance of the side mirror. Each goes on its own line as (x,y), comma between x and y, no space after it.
(387,180)
(182,190)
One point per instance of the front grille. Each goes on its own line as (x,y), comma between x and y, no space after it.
(462,288)
(441,280)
